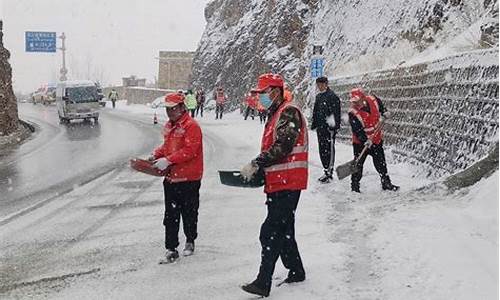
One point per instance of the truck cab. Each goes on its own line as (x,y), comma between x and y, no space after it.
(77,100)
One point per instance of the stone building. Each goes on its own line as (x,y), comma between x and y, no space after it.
(175,69)
(133,81)
(8,104)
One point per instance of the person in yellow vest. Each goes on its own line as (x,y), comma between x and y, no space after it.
(283,158)
(191,103)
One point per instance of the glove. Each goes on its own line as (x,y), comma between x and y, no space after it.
(162,163)
(368,143)
(248,171)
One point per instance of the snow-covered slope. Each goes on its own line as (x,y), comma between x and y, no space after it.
(245,38)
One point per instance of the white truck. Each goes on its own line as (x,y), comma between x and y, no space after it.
(77,100)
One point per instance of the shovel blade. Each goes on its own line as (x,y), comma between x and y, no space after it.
(346,169)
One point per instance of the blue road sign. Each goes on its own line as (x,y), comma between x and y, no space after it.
(37,41)
(317,65)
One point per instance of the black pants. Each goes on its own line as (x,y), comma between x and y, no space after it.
(219,109)
(249,111)
(377,153)
(181,199)
(277,237)
(113,103)
(192,111)
(262,116)
(199,109)
(326,143)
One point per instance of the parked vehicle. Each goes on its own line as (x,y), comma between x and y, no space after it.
(45,95)
(77,100)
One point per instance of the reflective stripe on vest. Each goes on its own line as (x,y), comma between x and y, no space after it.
(290,173)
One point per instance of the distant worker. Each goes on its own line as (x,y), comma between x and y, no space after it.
(326,122)
(200,101)
(262,113)
(191,103)
(366,116)
(251,104)
(113,96)
(220,99)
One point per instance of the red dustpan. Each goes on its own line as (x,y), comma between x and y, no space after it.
(146,167)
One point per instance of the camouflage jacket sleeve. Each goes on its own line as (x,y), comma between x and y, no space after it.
(287,133)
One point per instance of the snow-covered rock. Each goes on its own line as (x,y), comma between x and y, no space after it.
(244,38)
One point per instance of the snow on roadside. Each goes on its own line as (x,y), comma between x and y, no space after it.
(441,248)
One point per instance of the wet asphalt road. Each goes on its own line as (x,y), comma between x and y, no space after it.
(59,157)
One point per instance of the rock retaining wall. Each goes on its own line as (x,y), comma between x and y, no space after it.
(444,113)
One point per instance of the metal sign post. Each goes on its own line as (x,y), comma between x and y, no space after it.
(63,70)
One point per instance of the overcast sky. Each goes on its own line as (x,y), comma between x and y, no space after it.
(106,39)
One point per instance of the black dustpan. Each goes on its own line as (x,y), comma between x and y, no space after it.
(234,178)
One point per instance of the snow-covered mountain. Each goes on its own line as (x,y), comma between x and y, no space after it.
(244,38)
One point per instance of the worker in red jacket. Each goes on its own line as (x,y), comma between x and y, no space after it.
(366,114)
(182,155)
(283,158)
(220,99)
(251,104)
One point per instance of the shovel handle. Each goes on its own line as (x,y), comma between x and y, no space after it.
(362,153)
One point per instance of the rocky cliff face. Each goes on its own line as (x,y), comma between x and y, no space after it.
(8,105)
(245,38)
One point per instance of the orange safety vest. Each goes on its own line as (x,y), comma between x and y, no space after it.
(220,97)
(291,172)
(369,120)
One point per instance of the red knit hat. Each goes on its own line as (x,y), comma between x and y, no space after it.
(356,94)
(174,99)
(268,80)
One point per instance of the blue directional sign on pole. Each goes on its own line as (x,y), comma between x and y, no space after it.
(37,41)
(317,65)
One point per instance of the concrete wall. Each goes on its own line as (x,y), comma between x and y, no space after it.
(444,113)
(137,95)
(175,70)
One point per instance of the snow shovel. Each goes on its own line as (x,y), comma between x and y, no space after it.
(147,167)
(234,178)
(349,167)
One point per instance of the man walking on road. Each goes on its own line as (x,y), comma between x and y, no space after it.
(220,99)
(191,103)
(366,116)
(182,154)
(200,101)
(326,122)
(113,96)
(283,157)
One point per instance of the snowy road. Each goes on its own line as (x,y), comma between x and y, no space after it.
(62,156)
(103,240)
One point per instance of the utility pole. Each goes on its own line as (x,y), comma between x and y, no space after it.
(63,70)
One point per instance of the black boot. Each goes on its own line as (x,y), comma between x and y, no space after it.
(387,184)
(295,277)
(326,178)
(256,289)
